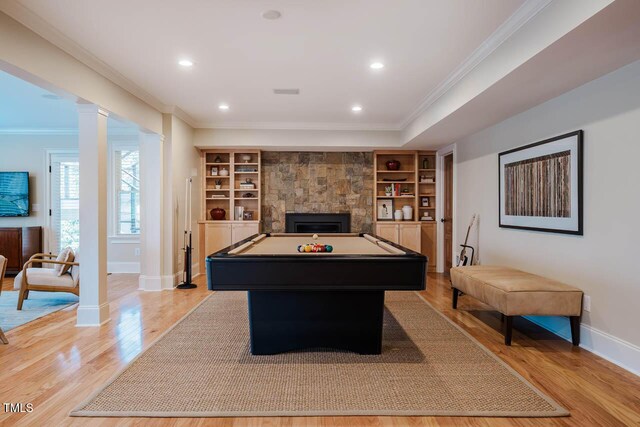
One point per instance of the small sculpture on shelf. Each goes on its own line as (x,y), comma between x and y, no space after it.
(224,171)
(218,159)
(217,214)
(393,165)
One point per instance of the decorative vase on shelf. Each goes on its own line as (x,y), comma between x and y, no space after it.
(397,215)
(407,212)
(393,165)
(425,163)
(246,158)
(217,214)
(224,172)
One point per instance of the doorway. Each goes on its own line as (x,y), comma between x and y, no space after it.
(447,212)
(64,196)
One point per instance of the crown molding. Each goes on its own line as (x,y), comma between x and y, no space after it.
(43,131)
(30,19)
(508,28)
(300,126)
(37,24)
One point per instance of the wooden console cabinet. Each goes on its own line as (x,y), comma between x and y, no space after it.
(216,235)
(18,244)
(404,234)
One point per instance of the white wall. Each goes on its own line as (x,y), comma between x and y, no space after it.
(185,160)
(28,153)
(603,262)
(297,140)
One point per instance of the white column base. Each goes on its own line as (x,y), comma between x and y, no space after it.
(93,315)
(155,283)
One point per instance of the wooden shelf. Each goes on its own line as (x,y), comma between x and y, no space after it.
(427,183)
(427,208)
(426,195)
(395,182)
(231,160)
(427,170)
(395,197)
(399,171)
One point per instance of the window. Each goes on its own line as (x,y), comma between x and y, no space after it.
(64,193)
(126,163)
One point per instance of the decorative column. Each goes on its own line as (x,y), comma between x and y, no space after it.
(92,140)
(152,216)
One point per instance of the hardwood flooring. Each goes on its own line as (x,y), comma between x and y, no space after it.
(54,365)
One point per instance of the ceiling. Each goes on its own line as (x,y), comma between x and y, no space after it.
(324,48)
(27,108)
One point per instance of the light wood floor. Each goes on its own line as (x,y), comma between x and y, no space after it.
(55,365)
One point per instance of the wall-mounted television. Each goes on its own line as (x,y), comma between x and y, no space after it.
(14,194)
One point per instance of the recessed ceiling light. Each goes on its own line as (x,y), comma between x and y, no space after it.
(271,14)
(186,63)
(376,65)
(356,108)
(223,107)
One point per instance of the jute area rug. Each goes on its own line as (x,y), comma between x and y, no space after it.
(202,367)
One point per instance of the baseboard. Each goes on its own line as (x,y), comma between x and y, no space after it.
(123,267)
(609,347)
(92,315)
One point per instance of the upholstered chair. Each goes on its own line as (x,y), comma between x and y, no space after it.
(48,279)
(3,269)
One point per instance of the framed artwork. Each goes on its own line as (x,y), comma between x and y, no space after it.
(214,171)
(385,209)
(540,185)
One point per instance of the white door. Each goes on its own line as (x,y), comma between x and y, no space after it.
(64,216)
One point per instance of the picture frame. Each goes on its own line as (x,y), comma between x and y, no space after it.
(540,185)
(214,171)
(425,202)
(248,216)
(384,209)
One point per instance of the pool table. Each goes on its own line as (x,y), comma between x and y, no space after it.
(316,299)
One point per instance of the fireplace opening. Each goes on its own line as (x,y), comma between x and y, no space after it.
(318,223)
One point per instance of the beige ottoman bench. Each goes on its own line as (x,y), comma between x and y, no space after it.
(517,293)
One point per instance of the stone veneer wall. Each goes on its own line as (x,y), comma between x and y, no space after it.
(303,182)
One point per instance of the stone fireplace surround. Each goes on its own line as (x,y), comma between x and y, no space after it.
(317,182)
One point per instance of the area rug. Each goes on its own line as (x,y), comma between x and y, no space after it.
(202,367)
(39,304)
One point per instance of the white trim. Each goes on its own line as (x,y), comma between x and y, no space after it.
(508,28)
(440,155)
(47,225)
(123,267)
(617,351)
(32,131)
(125,239)
(37,24)
(300,126)
(92,315)
(524,14)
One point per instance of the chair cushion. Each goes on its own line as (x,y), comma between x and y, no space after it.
(75,270)
(46,277)
(514,292)
(63,256)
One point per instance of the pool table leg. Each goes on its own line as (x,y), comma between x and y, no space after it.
(281,321)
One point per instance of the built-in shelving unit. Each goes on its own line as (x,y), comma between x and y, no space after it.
(413,184)
(231,179)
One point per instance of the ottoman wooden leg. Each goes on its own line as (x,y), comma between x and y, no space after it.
(3,339)
(575,330)
(508,329)
(454,303)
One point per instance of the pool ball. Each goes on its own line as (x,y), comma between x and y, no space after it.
(328,248)
(307,248)
(300,248)
(315,237)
